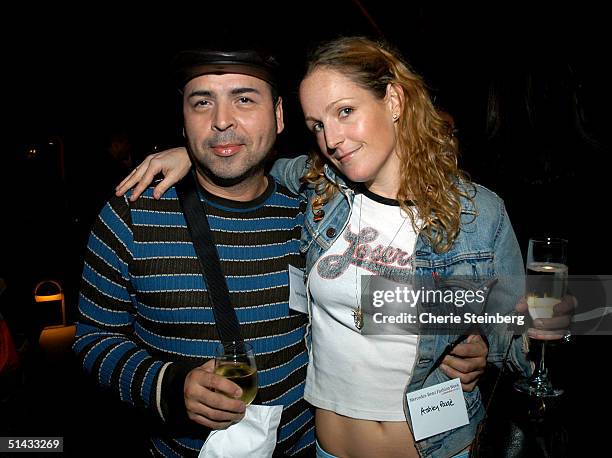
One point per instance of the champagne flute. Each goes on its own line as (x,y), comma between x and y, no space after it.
(545,287)
(236,362)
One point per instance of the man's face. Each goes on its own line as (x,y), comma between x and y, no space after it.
(231,125)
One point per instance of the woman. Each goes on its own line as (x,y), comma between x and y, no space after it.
(385,196)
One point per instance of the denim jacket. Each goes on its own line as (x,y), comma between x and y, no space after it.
(486,247)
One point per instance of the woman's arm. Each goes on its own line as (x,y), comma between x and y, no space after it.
(172,163)
(289,172)
(175,163)
(508,265)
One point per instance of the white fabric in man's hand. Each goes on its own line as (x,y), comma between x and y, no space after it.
(253,436)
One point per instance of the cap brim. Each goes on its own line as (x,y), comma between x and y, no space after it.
(221,68)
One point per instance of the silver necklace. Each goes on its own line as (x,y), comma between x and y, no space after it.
(357,312)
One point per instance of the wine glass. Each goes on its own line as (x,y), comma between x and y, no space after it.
(236,362)
(545,287)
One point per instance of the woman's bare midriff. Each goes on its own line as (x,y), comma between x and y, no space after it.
(348,437)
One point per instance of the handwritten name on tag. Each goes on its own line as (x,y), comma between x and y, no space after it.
(437,408)
(298,300)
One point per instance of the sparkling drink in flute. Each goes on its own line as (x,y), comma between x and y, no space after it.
(545,287)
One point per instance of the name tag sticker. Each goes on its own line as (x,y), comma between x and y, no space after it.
(298,300)
(437,408)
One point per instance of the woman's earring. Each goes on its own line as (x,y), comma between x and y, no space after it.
(395,116)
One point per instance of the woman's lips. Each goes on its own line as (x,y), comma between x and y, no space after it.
(346,157)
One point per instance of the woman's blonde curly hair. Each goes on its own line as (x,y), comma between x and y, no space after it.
(428,154)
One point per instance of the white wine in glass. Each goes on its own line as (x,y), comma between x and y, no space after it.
(545,287)
(236,362)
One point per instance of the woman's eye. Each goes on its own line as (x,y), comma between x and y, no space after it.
(344,112)
(317,127)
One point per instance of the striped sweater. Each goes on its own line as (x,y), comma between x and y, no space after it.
(145,317)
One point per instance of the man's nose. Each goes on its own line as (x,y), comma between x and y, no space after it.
(223,118)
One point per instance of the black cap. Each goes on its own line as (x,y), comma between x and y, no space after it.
(190,64)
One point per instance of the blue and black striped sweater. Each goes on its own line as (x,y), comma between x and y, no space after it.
(145,317)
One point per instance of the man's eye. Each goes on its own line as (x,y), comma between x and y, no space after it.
(244,100)
(202,103)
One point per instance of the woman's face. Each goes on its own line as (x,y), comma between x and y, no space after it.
(355,130)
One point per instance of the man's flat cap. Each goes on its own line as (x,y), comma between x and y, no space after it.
(190,64)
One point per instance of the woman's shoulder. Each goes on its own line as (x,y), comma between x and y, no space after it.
(484,216)
(476,197)
(483,210)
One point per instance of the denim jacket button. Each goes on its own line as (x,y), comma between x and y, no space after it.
(331,232)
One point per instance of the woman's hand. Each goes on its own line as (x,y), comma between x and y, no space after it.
(173,164)
(554,328)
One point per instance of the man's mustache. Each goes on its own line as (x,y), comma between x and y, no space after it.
(225,138)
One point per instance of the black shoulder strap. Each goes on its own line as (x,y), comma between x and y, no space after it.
(226,320)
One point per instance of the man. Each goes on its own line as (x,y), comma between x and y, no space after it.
(146,327)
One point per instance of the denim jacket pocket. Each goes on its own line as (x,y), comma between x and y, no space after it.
(473,399)
(476,265)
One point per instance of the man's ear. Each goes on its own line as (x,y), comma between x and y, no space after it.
(278,111)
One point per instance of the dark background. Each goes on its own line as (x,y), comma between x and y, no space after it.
(528,88)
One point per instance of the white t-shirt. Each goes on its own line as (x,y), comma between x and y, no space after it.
(360,376)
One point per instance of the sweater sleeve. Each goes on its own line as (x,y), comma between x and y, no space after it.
(106,343)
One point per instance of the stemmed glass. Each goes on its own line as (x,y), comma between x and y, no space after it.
(545,287)
(236,362)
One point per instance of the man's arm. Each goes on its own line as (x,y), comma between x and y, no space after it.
(105,341)
(108,348)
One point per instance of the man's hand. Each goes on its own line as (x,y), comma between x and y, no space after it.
(206,402)
(467,361)
(554,328)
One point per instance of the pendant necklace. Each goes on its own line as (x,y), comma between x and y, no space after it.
(357,312)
